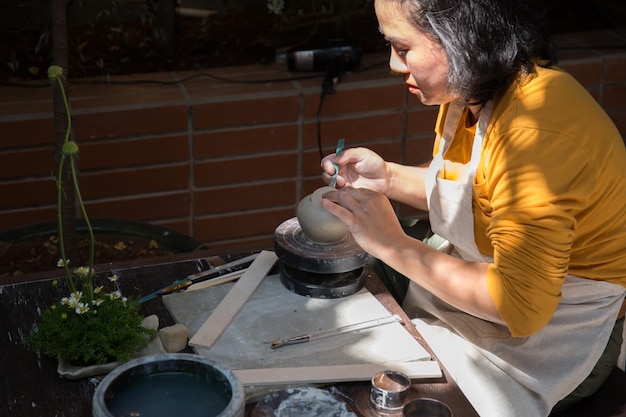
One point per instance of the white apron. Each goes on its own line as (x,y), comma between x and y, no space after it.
(501,375)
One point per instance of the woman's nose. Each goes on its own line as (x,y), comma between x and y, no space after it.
(397,63)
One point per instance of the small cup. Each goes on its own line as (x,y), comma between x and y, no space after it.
(390,390)
(426,407)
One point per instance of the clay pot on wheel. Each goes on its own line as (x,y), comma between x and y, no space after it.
(318,224)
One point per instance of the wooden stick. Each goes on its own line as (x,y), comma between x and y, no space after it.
(231,276)
(234,301)
(334,373)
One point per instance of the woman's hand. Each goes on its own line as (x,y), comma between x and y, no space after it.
(358,168)
(363,168)
(371,219)
(369,216)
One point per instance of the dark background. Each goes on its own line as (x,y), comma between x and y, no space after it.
(109,37)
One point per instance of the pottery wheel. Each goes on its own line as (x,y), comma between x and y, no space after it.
(294,249)
(318,270)
(315,285)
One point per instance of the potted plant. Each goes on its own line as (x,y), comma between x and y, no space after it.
(92,323)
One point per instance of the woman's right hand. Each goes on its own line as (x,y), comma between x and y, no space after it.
(358,168)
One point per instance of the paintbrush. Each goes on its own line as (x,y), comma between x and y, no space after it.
(336,331)
(231,276)
(186,282)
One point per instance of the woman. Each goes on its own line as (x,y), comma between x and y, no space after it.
(521,296)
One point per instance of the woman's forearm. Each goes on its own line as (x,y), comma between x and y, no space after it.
(459,283)
(406,184)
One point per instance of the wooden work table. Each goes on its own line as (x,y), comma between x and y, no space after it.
(32,387)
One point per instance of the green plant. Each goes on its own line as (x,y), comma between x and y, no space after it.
(90,325)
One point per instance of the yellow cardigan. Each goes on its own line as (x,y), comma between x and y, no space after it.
(549,195)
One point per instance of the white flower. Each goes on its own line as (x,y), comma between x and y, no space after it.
(115,295)
(98,290)
(74,299)
(275,6)
(83,271)
(61,263)
(76,295)
(65,301)
(97,301)
(81,308)
(113,278)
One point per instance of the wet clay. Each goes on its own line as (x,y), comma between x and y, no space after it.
(319,225)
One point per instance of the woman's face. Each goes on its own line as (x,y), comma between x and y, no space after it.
(421,60)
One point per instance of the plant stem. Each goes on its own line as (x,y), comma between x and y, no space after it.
(70,281)
(60,57)
(69,152)
(88,283)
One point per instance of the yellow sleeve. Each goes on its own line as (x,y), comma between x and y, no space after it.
(534,193)
(547,195)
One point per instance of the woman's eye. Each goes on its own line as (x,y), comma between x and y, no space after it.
(399,51)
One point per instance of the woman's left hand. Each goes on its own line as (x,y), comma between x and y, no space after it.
(369,216)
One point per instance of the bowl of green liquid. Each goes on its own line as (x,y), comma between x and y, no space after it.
(170,384)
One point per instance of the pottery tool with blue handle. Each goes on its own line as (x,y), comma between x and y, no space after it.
(339,149)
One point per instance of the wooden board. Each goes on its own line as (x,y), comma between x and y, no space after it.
(241,292)
(334,373)
(275,312)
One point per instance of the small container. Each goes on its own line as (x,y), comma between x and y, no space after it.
(426,407)
(389,391)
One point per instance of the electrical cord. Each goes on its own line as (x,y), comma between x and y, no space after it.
(185,79)
(234,81)
(334,70)
(165,82)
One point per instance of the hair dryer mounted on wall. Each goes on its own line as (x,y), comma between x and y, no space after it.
(319,56)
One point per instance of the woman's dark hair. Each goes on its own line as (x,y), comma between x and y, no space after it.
(489,43)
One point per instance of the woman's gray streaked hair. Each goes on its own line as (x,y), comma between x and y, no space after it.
(489,43)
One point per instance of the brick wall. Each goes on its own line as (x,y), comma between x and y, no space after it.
(227,162)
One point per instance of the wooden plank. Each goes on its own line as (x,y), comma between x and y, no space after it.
(334,373)
(232,303)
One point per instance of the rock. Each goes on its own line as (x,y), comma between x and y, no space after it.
(174,338)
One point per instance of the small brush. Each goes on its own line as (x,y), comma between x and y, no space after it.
(336,331)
